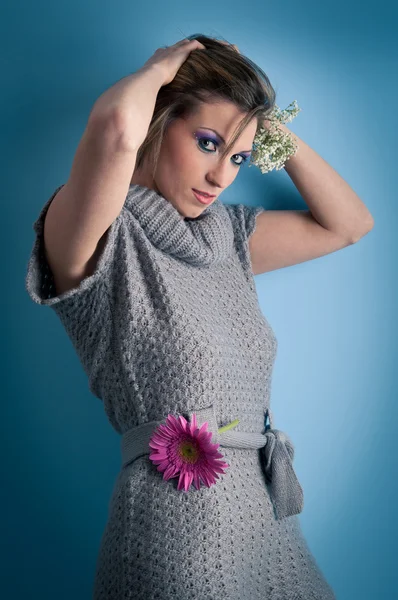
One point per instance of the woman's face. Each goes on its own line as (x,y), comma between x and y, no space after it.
(190,157)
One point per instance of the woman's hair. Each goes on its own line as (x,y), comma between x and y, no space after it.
(218,73)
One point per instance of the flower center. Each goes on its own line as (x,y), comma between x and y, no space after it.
(188,451)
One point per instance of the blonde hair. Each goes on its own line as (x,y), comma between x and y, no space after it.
(218,73)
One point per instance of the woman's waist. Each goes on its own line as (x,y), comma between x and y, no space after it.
(192,451)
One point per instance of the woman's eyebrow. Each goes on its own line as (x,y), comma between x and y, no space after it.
(222,139)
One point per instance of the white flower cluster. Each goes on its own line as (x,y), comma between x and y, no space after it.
(272,147)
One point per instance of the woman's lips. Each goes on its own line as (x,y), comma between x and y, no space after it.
(202,199)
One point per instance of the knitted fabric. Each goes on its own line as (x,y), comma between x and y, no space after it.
(170,322)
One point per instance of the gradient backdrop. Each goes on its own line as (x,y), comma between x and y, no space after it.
(334,387)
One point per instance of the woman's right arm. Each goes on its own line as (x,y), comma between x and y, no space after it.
(79,217)
(129,105)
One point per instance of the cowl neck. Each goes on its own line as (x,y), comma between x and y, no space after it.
(203,240)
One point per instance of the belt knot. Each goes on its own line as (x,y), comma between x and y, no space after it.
(284,487)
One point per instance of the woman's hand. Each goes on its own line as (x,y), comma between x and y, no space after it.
(168,60)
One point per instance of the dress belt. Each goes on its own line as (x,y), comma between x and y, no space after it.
(276,453)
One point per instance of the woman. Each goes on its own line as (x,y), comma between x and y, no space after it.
(154,285)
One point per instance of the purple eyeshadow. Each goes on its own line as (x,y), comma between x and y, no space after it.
(208,136)
(214,138)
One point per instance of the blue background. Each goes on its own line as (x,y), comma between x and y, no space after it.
(334,386)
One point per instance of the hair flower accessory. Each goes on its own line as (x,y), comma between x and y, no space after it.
(185,450)
(271,146)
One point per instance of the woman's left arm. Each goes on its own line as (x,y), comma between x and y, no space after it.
(331,201)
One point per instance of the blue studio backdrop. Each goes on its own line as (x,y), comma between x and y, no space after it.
(334,387)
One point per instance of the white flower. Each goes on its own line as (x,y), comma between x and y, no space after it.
(272,147)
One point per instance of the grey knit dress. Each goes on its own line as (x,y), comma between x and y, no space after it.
(170,323)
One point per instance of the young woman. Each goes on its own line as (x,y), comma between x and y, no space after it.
(152,278)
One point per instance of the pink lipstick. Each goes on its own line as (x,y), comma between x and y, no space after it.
(203,199)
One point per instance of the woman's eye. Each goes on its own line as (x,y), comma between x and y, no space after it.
(202,141)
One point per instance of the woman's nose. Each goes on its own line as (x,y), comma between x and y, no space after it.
(220,176)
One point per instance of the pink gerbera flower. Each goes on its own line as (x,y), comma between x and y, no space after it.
(181,448)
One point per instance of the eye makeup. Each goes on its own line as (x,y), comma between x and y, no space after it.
(202,135)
